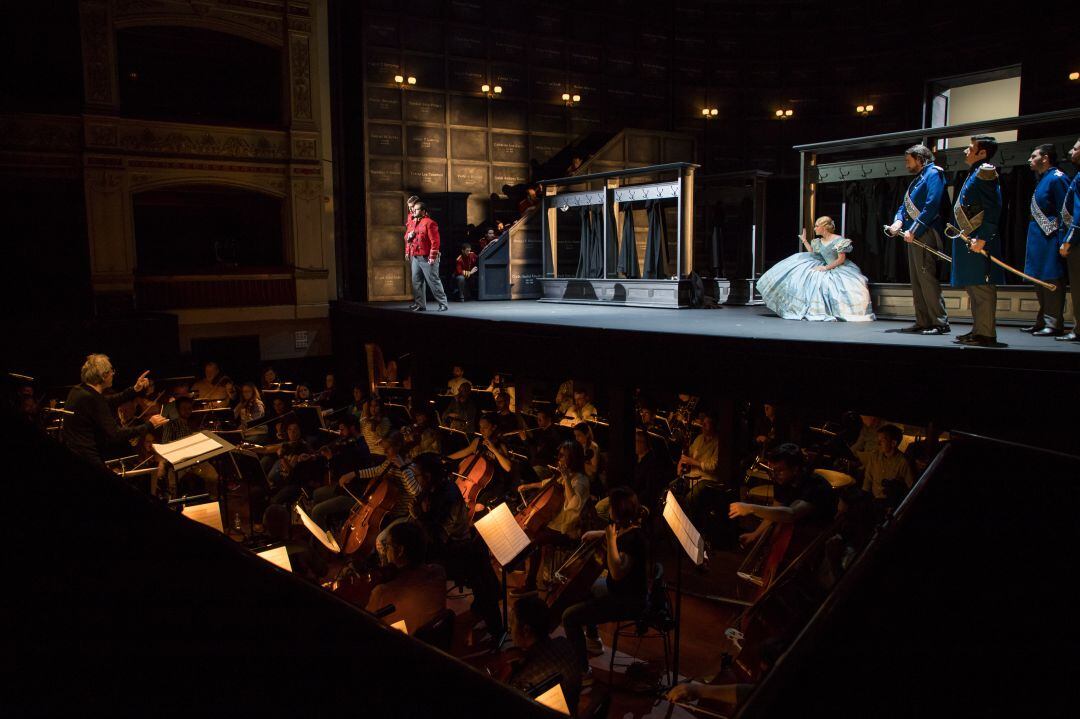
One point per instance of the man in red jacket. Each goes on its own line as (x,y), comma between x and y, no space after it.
(422,250)
(465,272)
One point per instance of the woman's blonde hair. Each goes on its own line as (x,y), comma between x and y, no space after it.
(95,368)
(827,221)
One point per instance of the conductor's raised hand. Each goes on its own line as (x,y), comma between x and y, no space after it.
(143,382)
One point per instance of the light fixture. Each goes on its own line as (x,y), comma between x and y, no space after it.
(1074,76)
(709,112)
(570,99)
(491,91)
(404,82)
(784,114)
(864,110)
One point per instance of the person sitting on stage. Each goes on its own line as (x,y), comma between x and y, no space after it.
(771,429)
(456,380)
(701,465)
(820,285)
(250,411)
(621,594)
(544,442)
(649,421)
(510,423)
(801,498)
(373,423)
(490,235)
(491,447)
(175,391)
(583,436)
(331,396)
(582,410)
(232,394)
(91,430)
(888,475)
(359,402)
(566,526)
(418,590)
(545,656)
(465,277)
(422,437)
(460,414)
(210,388)
(178,429)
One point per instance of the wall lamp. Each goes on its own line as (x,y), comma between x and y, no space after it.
(404,82)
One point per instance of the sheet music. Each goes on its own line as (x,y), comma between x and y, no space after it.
(278,556)
(400,626)
(685,531)
(321,534)
(208,513)
(189,447)
(554,699)
(501,533)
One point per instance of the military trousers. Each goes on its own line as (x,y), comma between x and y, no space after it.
(925,287)
(983,301)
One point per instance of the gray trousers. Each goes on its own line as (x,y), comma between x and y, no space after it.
(1051,306)
(925,288)
(424,275)
(1073,263)
(983,301)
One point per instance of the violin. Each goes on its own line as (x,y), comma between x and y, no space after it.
(365,520)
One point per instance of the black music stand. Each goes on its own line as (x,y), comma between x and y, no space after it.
(694,544)
(195,449)
(507,542)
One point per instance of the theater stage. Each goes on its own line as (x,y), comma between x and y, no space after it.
(741,350)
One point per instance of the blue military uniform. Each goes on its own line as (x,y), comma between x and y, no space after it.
(1070,216)
(921,214)
(1044,238)
(978,213)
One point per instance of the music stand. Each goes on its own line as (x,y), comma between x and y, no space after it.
(195,449)
(506,541)
(277,555)
(310,418)
(207,513)
(694,545)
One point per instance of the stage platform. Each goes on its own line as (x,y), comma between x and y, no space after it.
(739,350)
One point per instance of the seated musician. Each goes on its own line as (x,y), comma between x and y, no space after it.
(359,402)
(210,388)
(350,451)
(232,393)
(888,474)
(91,429)
(770,430)
(500,384)
(250,411)
(769,650)
(491,447)
(649,421)
(456,380)
(460,414)
(544,442)
(653,473)
(294,449)
(182,427)
(373,423)
(800,497)
(175,392)
(583,435)
(422,437)
(867,440)
(465,278)
(566,526)
(303,394)
(417,590)
(544,656)
(700,465)
(330,397)
(510,423)
(564,397)
(619,596)
(582,410)
(269,380)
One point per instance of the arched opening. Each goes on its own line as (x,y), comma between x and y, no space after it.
(196,75)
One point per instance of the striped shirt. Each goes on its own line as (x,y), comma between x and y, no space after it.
(403,478)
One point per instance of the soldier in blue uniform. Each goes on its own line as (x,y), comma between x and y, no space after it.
(1070,217)
(1044,236)
(920,218)
(978,212)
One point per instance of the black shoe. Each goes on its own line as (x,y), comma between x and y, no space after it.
(943,330)
(1031,330)
(961,338)
(913,330)
(982,341)
(1071,337)
(414,307)
(417,308)
(1047,332)
(443,308)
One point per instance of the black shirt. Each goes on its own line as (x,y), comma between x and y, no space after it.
(635,584)
(545,444)
(445,517)
(92,429)
(652,473)
(812,489)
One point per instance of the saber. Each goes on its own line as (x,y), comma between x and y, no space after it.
(953,232)
(918,243)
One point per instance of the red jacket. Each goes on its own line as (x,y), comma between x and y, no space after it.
(465,263)
(425,241)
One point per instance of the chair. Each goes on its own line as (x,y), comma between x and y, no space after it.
(655,623)
(439,632)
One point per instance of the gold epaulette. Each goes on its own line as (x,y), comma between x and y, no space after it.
(988,172)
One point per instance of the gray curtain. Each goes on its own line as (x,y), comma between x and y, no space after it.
(611,246)
(591,255)
(656,259)
(627,264)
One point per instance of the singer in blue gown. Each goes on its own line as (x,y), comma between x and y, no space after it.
(820,285)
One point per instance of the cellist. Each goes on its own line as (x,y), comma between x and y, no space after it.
(619,596)
(566,526)
(491,448)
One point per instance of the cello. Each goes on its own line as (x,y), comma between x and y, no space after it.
(365,520)
(473,475)
(543,507)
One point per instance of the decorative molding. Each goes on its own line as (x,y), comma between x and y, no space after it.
(305,149)
(41,133)
(97,51)
(139,137)
(300,73)
(259,21)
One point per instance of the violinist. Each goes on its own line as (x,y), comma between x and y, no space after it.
(460,414)
(373,423)
(330,397)
(91,430)
(210,388)
(566,526)
(583,435)
(269,380)
(621,594)
(491,448)
(544,656)
(422,437)
(294,450)
(232,393)
(544,442)
(417,590)
(303,394)
(510,423)
(250,411)
(349,452)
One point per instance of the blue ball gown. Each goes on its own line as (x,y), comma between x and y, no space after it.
(794,291)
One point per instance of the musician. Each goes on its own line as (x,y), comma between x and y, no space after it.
(349,452)
(500,384)
(373,423)
(422,437)
(250,411)
(582,409)
(303,394)
(269,379)
(921,214)
(888,466)
(418,590)
(465,268)
(293,450)
(1044,238)
(331,397)
(210,388)
(460,414)
(978,212)
(564,397)
(510,423)
(566,526)
(422,250)
(359,403)
(491,447)
(621,594)
(177,429)
(866,442)
(650,422)
(544,442)
(1070,218)
(652,470)
(801,498)
(583,436)
(456,380)
(544,656)
(700,464)
(91,430)
(176,391)
(232,394)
